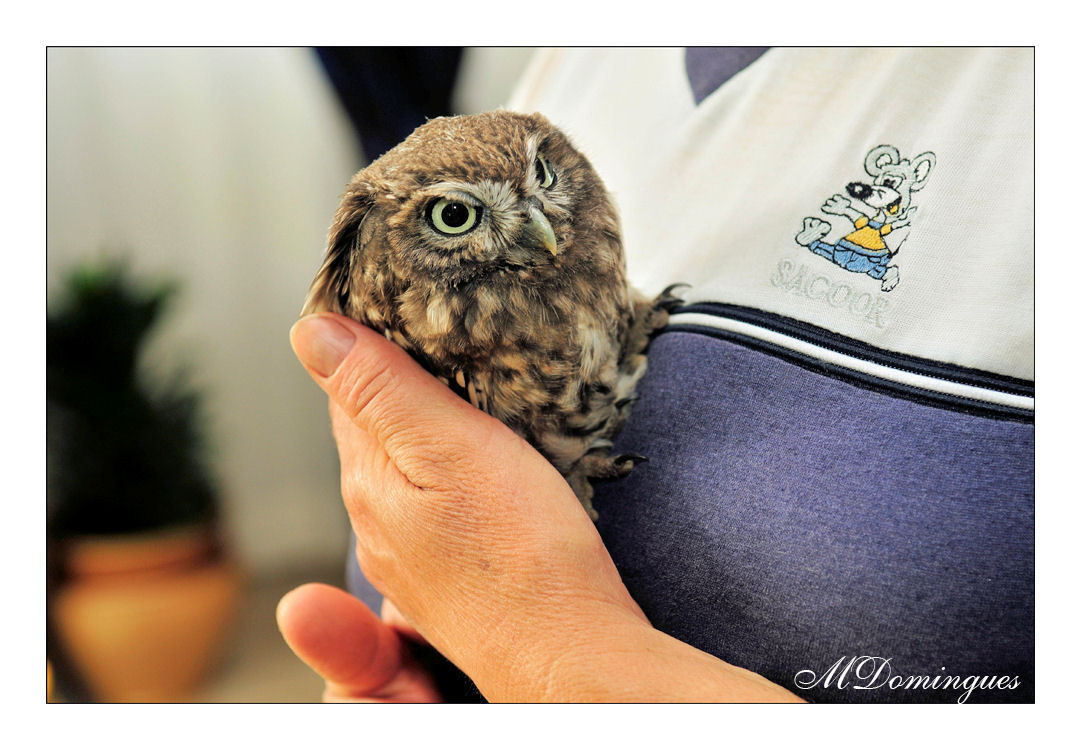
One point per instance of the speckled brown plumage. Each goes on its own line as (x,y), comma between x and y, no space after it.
(522,304)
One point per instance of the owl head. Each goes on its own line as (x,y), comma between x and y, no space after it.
(494,198)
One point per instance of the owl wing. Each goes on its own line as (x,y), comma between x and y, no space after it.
(357,238)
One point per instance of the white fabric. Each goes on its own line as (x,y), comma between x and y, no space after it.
(715,194)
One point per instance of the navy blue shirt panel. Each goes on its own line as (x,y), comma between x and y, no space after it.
(788,519)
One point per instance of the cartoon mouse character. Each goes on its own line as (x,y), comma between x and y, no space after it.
(881,214)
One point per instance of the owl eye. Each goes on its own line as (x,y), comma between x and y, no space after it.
(544,174)
(452,217)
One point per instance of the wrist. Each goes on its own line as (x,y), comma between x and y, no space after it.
(570,656)
(614,656)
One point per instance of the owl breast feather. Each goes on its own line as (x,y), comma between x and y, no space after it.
(545,365)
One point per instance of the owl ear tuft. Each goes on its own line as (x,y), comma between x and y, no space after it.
(329,291)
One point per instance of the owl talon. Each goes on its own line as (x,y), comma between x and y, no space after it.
(666,300)
(625,462)
(596,466)
(672,287)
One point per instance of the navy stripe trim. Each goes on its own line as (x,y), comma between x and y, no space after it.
(863,380)
(842,344)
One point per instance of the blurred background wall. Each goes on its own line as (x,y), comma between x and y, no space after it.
(220,168)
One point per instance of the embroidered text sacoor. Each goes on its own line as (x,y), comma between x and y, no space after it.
(875,672)
(871,307)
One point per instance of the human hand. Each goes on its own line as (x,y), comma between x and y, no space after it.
(483,546)
(459,522)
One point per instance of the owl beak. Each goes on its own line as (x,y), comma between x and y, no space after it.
(538,232)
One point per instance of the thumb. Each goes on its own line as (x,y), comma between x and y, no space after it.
(339,638)
(419,422)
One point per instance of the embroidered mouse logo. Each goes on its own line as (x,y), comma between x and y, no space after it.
(881,214)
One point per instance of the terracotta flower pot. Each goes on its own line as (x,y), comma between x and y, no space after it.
(143,616)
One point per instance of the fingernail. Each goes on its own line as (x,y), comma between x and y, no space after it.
(321,343)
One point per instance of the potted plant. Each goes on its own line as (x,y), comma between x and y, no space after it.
(140,585)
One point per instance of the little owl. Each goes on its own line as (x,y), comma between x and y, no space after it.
(488,248)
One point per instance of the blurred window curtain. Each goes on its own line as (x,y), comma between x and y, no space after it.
(389,91)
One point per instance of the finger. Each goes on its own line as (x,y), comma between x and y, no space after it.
(421,424)
(340,638)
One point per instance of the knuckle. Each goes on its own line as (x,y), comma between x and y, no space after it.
(365,389)
(435,463)
(446,459)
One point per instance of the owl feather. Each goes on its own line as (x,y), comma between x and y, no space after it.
(488,248)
